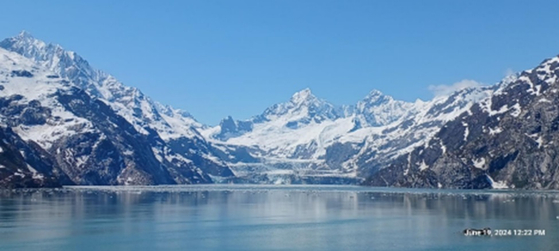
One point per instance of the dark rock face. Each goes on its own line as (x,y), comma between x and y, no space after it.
(340,152)
(195,151)
(16,156)
(508,140)
(415,129)
(22,73)
(31,113)
(112,152)
(232,128)
(116,135)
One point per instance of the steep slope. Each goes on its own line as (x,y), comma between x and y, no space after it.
(181,143)
(510,139)
(382,145)
(74,137)
(26,165)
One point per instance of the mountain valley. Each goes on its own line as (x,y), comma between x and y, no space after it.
(64,122)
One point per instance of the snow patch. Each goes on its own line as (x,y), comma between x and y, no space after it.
(466,131)
(497,130)
(539,141)
(479,163)
(423,166)
(517,110)
(497,184)
(157,154)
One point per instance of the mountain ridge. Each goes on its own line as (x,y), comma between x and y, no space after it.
(473,150)
(92,129)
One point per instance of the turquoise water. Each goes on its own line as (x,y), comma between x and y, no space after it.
(273,218)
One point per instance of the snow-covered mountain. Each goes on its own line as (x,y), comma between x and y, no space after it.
(377,109)
(507,140)
(177,128)
(166,134)
(281,128)
(309,137)
(65,122)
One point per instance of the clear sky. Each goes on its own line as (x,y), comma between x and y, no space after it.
(219,58)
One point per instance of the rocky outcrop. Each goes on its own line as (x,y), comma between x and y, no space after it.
(24,165)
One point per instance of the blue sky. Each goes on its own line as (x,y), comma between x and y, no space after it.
(219,58)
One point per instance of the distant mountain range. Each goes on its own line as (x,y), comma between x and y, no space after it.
(63,122)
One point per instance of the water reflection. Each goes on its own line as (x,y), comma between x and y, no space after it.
(270,218)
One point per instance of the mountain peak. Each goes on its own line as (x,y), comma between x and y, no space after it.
(376,97)
(374,92)
(27,45)
(379,109)
(25,34)
(302,96)
(24,40)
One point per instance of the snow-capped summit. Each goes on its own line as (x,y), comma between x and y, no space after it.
(376,97)
(52,56)
(129,102)
(28,37)
(303,96)
(303,107)
(69,64)
(25,35)
(377,109)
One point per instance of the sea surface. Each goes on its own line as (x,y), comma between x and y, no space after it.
(251,217)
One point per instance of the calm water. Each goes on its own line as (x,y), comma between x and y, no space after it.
(272,218)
